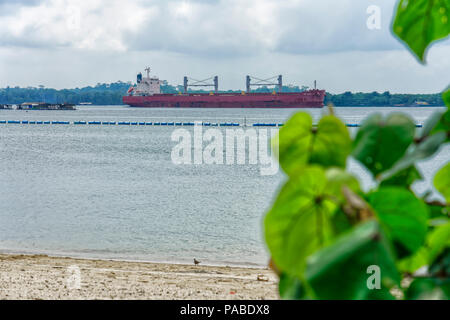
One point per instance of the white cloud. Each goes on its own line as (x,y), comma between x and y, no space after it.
(64,43)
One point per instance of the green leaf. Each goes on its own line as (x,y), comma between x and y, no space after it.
(299,222)
(420,22)
(441,265)
(339,271)
(403,215)
(425,149)
(438,211)
(300,143)
(337,179)
(431,123)
(291,288)
(332,144)
(443,125)
(294,139)
(437,241)
(404,178)
(381,142)
(429,289)
(442,182)
(439,121)
(446,97)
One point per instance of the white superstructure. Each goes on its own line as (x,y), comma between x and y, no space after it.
(146,86)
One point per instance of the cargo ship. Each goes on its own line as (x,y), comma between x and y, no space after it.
(147,94)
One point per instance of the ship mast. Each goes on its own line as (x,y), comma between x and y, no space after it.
(148,71)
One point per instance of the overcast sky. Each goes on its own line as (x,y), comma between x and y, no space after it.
(64,44)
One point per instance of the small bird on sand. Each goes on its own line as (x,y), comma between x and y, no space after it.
(196,262)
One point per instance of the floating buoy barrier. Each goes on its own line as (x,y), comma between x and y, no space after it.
(265,125)
(125,123)
(60,122)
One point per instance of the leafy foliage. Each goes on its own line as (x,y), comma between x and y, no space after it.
(326,235)
(442,182)
(420,22)
(382,142)
(403,215)
(302,143)
(335,272)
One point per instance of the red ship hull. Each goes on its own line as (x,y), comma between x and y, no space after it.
(306,99)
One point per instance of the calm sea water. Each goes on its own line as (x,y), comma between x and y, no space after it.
(113,191)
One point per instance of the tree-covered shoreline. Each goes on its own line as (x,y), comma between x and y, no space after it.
(112,93)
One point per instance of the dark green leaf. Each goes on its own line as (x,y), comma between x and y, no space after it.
(431,123)
(382,142)
(437,211)
(403,178)
(299,222)
(291,288)
(442,182)
(300,143)
(441,265)
(437,241)
(341,222)
(446,97)
(415,153)
(420,22)
(403,215)
(429,289)
(339,271)
(443,125)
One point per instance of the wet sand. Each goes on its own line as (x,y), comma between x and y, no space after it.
(44,277)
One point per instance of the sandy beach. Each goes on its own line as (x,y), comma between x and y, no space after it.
(44,277)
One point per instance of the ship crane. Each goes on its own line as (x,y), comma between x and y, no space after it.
(264,82)
(201,83)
